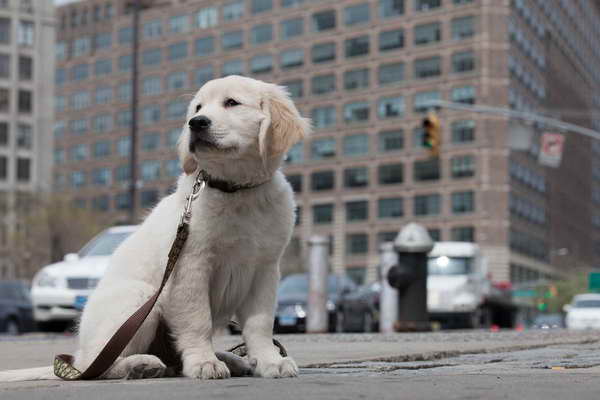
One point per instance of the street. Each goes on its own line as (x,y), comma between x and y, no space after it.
(452,365)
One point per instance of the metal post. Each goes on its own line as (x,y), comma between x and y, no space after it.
(388,301)
(316,318)
(135,9)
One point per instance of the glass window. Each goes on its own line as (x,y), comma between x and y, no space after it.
(462,234)
(356,177)
(4,99)
(205,46)
(23,169)
(178,51)
(24,101)
(233,67)
(102,149)
(462,166)
(101,203)
(103,40)
(391,107)
(295,155)
(125,91)
(418,137)
(357,46)
(60,76)
(152,29)
(125,35)
(322,180)
(233,10)
(151,57)
(178,24)
(428,204)
(384,237)
(172,168)
(176,109)
(292,58)
(391,140)
(61,51)
(428,33)
(463,94)
(435,234)
(204,74)
(423,100)
(463,131)
(207,17)
(463,202)
(103,95)
(323,21)
(425,5)
(460,2)
(390,174)
(357,243)
(25,68)
(124,146)
(356,112)
(391,73)
(356,79)
(322,148)
(5,30)
(103,67)
(258,6)
(148,198)
(150,170)
(322,84)
(81,46)
(323,52)
(125,62)
(80,72)
(124,118)
(177,81)
(295,182)
(322,213)
(391,8)
(172,137)
(80,100)
(60,103)
(428,67)
(426,170)
(463,61)
(232,40)
(357,210)
(357,14)
(463,28)
(78,152)
(150,114)
(261,64)
(78,126)
(291,3)
(291,28)
(102,123)
(24,136)
(392,207)
(295,87)
(356,145)
(101,176)
(261,34)
(391,40)
(77,178)
(123,201)
(323,117)
(150,141)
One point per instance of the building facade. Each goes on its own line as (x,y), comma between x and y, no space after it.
(365,71)
(26,111)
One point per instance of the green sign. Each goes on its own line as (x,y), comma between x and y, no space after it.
(525,293)
(594,280)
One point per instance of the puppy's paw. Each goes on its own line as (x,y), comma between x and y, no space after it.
(284,368)
(144,366)
(213,369)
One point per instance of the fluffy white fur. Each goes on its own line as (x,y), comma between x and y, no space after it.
(230,263)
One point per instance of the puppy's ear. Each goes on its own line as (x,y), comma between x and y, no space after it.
(283,125)
(188,162)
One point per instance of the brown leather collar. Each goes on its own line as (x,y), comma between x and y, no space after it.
(227,186)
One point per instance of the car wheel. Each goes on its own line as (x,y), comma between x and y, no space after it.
(368,323)
(12,327)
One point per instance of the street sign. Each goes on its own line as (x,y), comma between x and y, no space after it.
(551,149)
(594,281)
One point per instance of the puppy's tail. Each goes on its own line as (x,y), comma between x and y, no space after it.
(31,374)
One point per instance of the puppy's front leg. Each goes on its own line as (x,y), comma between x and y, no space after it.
(256,317)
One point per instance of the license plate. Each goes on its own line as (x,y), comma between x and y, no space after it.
(80,302)
(287,321)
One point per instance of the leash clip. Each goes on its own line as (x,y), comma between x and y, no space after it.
(199,184)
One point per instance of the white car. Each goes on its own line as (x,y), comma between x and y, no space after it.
(59,291)
(584,312)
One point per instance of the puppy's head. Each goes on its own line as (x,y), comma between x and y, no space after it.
(240,118)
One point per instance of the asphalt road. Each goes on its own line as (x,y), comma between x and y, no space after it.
(457,365)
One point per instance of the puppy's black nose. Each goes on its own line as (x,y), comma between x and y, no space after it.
(199,123)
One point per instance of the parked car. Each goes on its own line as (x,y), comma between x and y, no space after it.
(292,300)
(584,312)
(16,311)
(548,321)
(60,291)
(359,311)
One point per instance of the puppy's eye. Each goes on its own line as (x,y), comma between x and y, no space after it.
(231,103)
(198,107)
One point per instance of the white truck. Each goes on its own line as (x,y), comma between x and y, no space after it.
(460,293)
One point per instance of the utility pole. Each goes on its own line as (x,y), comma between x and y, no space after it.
(135,6)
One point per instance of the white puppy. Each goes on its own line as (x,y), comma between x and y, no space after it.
(237,130)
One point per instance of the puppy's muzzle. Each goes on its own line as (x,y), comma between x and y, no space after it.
(199,132)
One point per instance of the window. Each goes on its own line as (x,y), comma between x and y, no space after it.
(80,100)
(25,33)
(390,174)
(102,123)
(323,21)
(295,87)
(428,33)
(103,67)
(463,28)
(323,180)
(258,6)
(391,140)
(3,168)
(391,107)
(391,73)
(357,14)
(125,62)
(150,141)
(204,74)
(103,95)
(463,131)
(323,117)
(151,57)
(391,40)
(356,79)
(357,210)
(59,129)
(261,64)
(391,8)
(233,10)
(460,2)
(323,84)
(323,52)
(357,177)
(80,72)
(148,198)
(125,35)
(150,170)
(176,81)
(150,114)
(205,46)
(3,134)
(426,170)
(233,67)
(463,61)
(207,17)
(322,148)
(463,94)
(423,101)
(178,24)
(5,30)
(78,152)
(356,145)
(81,46)
(357,243)
(78,179)
(462,234)
(384,237)
(60,76)
(79,126)
(418,137)
(151,85)
(124,146)
(124,118)
(292,58)
(101,149)
(392,207)
(291,28)
(232,40)
(356,112)
(295,182)
(323,214)
(178,51)
(463,202)
(25,101)
(124,91)
(428,204)
(103,41)
(428,67)
(358,46)
(462,166)
(101,203)
(261,34)
(295,155)
(172,137)
(152,29)
(425,5)
(4,65)
(24,136)
(61,51)
(291,3)
(172,168)
(4,100)
(23,169)
(25,68)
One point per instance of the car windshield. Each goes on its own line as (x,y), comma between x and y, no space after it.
(104,245)
(444,265)
(298,284)
(587,304)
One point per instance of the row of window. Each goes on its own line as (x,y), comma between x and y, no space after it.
(22,169)
(528,244)
(526,209)
(527,176)
(80,16)
(23,137)
(120,202)
(25,32)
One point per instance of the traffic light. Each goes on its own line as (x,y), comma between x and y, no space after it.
(432,136)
